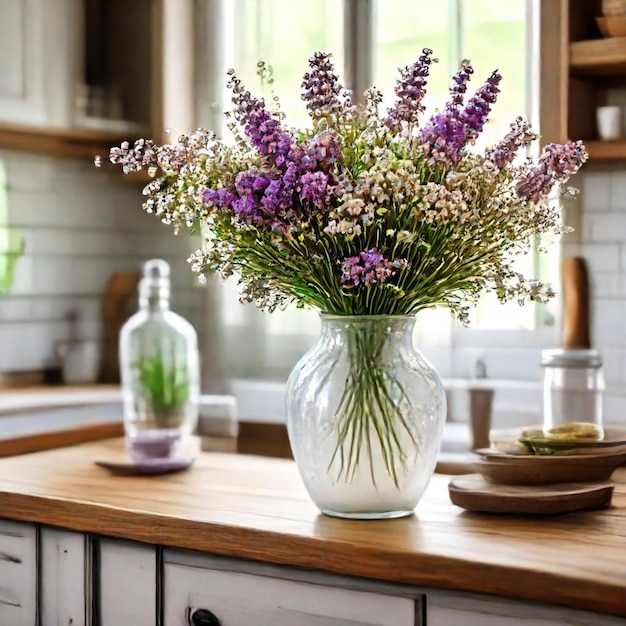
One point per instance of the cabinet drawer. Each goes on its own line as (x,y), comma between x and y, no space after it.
(243,599)
(463,609)
(18,573)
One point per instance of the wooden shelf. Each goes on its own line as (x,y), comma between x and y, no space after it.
(72,143)
(606,150)
(598,57)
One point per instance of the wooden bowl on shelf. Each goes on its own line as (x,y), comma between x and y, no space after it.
(612,26)
(613,7)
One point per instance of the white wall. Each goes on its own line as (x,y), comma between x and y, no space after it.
(80,224)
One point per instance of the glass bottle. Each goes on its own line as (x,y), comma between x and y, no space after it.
(573,388)
(159,365)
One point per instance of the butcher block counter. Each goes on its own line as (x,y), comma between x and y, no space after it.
(236,538)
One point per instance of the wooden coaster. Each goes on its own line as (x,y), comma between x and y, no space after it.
(476,494)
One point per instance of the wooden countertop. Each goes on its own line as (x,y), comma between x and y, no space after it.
(257,508)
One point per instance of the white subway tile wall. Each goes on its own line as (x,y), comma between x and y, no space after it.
(79,224)
(604,247)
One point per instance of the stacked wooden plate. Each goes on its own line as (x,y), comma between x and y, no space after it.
(538,469)
(566,475)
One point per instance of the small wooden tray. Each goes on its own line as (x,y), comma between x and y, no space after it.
(474,493)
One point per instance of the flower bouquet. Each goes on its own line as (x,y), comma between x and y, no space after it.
(367,216)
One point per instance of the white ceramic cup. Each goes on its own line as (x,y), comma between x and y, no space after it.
(609,122)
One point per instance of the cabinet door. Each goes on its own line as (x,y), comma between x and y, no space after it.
(21,71)
(240,599)
(18,573)
(127,586)
(64,579)
(38,61)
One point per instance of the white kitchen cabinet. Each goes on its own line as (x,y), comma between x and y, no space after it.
(38,61)
(53,577)
(18,573)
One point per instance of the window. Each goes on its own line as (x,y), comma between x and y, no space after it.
(370,39)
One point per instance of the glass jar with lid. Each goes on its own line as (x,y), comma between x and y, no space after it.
(573,394)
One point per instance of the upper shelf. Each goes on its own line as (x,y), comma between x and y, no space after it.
(606,150)
(73,143)
(598,57)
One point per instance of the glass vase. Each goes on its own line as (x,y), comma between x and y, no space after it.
(365,415)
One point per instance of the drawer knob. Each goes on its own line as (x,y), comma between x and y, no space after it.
(203,617)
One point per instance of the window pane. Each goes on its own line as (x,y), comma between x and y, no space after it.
(285,34)
(401,30)
(494,37)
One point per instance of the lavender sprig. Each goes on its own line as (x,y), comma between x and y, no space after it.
(445,134)
(322,91)
(556,164)
(520,136)
(261,127)
(474,115)
(410,91)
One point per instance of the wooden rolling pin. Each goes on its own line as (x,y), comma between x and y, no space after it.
(575,330)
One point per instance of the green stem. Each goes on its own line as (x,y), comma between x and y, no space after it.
(369,418)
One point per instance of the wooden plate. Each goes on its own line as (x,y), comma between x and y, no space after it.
(473,493)
(515,469)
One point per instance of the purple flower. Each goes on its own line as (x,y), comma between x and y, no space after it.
(322,151)
(556,164)
(410,91)
(367,268)
(444,136)
(219,197)
(322,90)
(518,137)
(315,188)
(459,83)
(263,130)
(474,115)
(278,197)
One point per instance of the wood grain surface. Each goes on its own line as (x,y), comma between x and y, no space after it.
(26,444)
(257,508)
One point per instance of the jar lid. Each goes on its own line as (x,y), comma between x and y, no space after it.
(563,357)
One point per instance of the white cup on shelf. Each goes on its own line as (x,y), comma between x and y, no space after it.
(609,122)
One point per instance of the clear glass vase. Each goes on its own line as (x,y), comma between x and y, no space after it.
(365,415)
(159,365)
